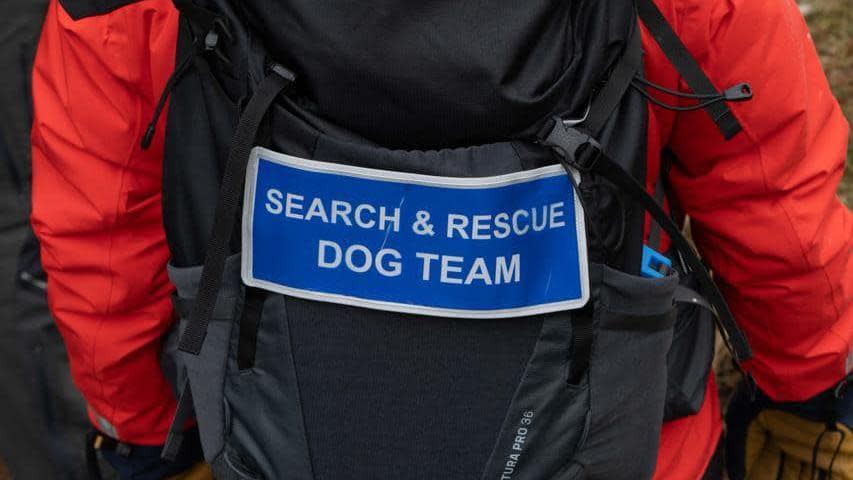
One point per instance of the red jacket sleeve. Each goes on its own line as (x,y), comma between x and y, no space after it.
(96,207)
(763,206)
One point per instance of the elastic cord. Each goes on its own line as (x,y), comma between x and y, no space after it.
(182,68)
(711,99)
(676,93)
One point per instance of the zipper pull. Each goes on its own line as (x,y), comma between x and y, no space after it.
(185,64)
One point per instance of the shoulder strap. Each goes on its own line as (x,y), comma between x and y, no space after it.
(687,66)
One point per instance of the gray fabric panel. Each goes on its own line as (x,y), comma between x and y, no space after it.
(630,294)
(684,294)
(479,161)
(207,370)
(172,362)
(627,377)
(265,412)
(547,413)
(628,386)
(691,354)
(229,466)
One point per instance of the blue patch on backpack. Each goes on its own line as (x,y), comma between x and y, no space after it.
(491,247)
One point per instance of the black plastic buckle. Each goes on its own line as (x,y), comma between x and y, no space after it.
(577,148)
(587,155)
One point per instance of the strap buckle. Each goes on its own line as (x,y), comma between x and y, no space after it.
(577,148)
(655,264)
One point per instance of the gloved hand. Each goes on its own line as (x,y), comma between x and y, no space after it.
(137,462)
(812,440)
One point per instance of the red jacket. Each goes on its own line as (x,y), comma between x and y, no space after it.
(763,205)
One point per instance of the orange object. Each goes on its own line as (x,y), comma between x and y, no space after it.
(96,207)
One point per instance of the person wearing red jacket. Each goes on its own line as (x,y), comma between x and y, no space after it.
(763,206)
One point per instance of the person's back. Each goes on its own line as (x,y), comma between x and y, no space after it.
(382,395)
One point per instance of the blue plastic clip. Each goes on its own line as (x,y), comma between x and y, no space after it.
(655,264)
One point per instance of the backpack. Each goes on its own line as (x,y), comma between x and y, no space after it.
(360,296)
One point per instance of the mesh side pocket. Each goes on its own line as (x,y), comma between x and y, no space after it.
(206,371)
(634,320)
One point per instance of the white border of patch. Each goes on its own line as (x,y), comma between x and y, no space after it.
(416,179)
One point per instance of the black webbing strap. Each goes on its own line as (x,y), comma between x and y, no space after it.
(610,96)
(580,151)
(660,197)
(581,348)
(655,239)
(687,295)
(253,309)
(183,414)
(686,65)
(229,200)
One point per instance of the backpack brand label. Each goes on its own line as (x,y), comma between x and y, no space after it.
(522,432)
(491,247)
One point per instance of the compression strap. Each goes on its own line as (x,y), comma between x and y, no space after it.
(184,412)
(230,193)
(579,150)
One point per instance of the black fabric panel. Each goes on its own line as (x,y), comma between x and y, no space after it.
(388,395)
(547,419)
(249,322)
(19,31)
(689,358)
(612,93)
(431,74)
(619,218)
(78,9)
(200,124)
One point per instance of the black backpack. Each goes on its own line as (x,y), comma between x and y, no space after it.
(288,386)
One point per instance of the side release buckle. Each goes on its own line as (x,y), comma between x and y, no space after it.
(655,264)
(576,148)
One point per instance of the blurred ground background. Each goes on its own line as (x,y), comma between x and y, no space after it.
(831,23)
